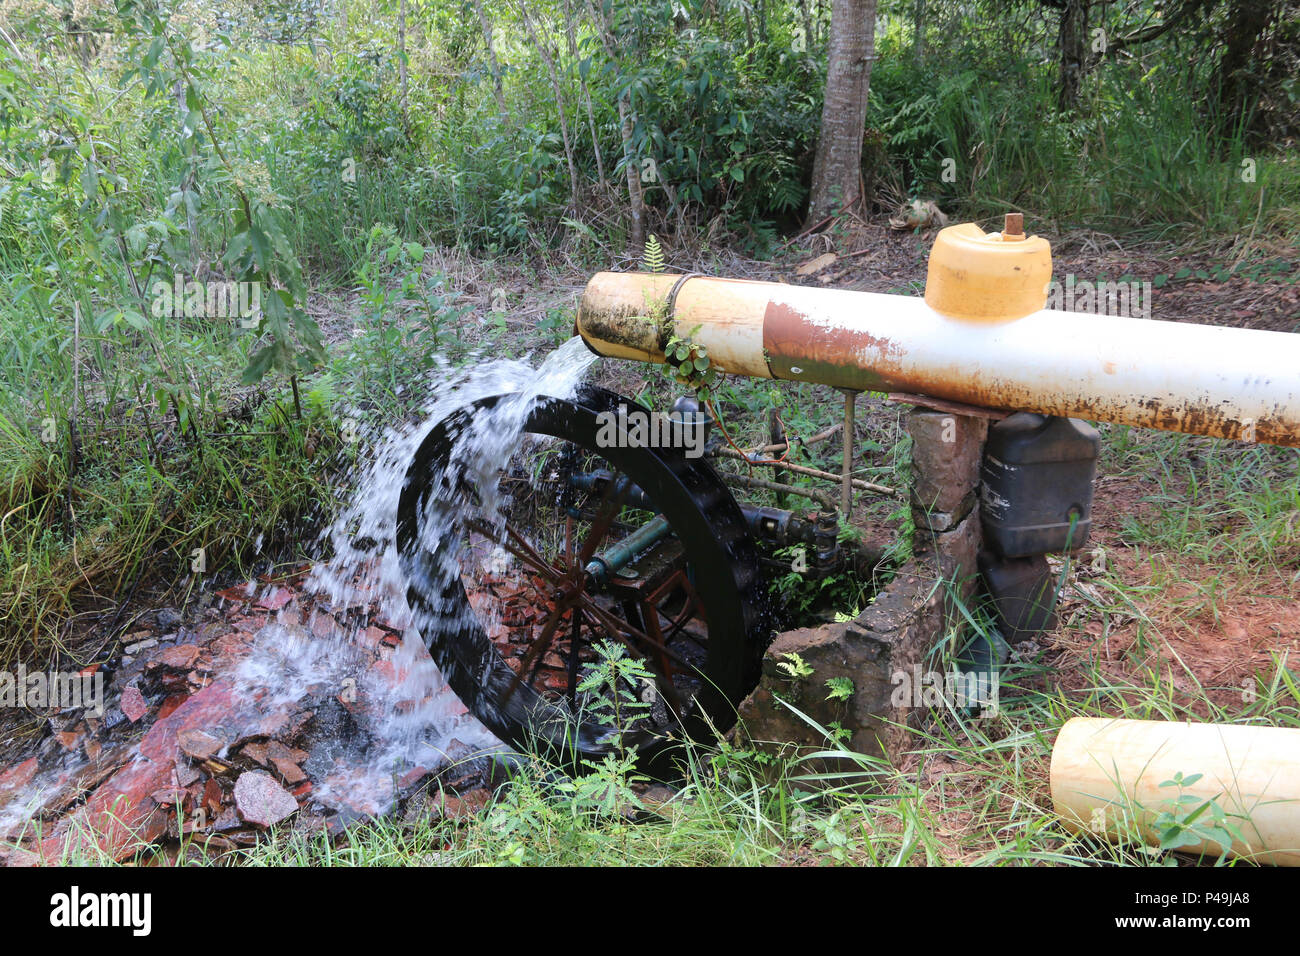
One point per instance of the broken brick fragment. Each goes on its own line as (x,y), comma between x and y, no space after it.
(170,704)
(261,800)
(274,601)
(199,744)
(134,706)
(256,752)
(212,796)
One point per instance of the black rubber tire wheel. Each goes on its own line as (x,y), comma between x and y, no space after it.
(703,515)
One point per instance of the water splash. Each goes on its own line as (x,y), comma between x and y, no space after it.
(411,718)
(380,714)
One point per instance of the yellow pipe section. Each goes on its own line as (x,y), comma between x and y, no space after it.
(1107,778)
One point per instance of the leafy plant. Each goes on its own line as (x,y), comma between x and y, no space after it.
(606,790)
(614,683)
(404,310)
(832,837)
(802,590)
(653,260)
(1191,820)
(841,688)
(258,249)
(795,667)
(838,733)
(689,364)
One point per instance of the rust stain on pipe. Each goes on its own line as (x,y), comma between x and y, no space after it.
(801,349)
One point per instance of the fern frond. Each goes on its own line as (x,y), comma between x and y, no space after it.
(653,260)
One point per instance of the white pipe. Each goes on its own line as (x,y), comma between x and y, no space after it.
(1108,777)
(1231,383)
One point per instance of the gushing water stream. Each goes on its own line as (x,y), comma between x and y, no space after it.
(414,719)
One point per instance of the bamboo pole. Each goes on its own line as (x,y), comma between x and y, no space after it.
(810,472)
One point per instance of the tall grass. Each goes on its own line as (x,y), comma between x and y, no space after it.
(1133,160)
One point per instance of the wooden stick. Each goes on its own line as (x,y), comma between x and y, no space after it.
(846,468)
(943,405)
(810,472)
(819,437)
(761,484)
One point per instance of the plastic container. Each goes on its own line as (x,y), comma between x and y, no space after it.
(1036,495)
(1023,591)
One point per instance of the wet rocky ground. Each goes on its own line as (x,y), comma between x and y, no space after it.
(270,708)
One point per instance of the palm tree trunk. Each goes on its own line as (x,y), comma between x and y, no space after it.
(636,240)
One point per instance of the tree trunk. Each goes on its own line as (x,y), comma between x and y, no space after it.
(636,241)
(540,43)
(837,167)
(401,56)
(809,30)
(918,31)
(571,33)
(1072,39)
(486,26)
(1236,88)
(636,199)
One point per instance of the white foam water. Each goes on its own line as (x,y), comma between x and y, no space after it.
(413,719)
(27,801)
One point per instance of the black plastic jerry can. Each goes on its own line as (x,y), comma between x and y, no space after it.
(1023,592)
(1036,495)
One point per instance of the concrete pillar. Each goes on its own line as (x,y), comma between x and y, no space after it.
(893,637)
(946,452)
(890,638)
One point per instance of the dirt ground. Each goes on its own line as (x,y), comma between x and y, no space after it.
(1222,643)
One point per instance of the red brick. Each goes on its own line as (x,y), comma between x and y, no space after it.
(133,703)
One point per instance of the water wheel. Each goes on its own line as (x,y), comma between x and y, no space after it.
(519,588)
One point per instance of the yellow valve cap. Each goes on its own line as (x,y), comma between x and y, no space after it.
(988,277)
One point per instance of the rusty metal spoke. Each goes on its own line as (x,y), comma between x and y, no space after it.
(523,551)
(600,526)
(623,630)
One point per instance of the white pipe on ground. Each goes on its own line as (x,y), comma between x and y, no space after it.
(1107,777)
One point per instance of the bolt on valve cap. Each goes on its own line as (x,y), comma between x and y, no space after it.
(988,277)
